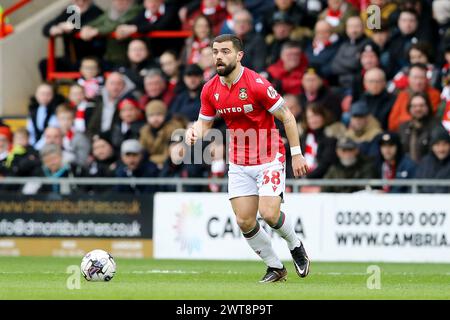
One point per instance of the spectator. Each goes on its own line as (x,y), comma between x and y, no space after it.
(346,62)
(436,164)
(336,14)
(232,6)
(103,162)
(74,49)
(351,165)
(135,165)
(201,38)
(155,85)
(381,38)
(282,27)
(369,58)
(42,113)
(213,10)
(91,79)
(156,15)
(323,48)
(119,13)
(187,102)
(83,108)
(174,167)
(418,83)
(418,53)
(314,91)
(287,72)
(139,63)
(319,149)
(74,142)
(131,122)
(363,127)
(5,147)
(156,134)
(445,72)
(53,166)
(105,113)
(207,64)
(170,66)
(254,45)
(22,158)
(402,40)
(415,134)
(286,7)
(376,97)
(393,163)
(53,135)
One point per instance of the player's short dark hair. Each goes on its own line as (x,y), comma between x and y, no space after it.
(237,43)
(410,11)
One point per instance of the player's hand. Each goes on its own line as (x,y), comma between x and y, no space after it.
(299,165)
(191,136)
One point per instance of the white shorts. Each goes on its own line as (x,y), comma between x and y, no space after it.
(266,179)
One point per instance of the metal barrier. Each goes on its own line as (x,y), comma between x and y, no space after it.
(414,184)
(6,13)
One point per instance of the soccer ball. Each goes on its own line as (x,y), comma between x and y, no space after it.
(98,265)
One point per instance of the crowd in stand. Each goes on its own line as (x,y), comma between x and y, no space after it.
(369,102)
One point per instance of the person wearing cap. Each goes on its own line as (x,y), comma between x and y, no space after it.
(322,48)
(131,121)
(375,95)
(282,29)
(103,161)
(369,58)
(393,163)
(156,135)
(286,74)
(187,101)
(346,61)
(415,134)
(134,164)
(350,165)
(436,164)
(288,8)
(363,127)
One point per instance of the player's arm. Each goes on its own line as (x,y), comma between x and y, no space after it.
(299,165)
(198,130)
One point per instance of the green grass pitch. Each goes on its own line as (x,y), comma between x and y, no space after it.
(46,278)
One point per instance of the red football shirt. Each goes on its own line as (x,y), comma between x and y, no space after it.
(247,109)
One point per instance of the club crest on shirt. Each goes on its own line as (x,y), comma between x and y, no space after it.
(271,92)
(243,94)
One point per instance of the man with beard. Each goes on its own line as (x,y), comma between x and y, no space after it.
(248,104)
(351,165)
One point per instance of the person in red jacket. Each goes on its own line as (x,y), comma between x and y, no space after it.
(286,74)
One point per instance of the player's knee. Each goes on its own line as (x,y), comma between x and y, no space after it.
(269,215)
(246,224)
